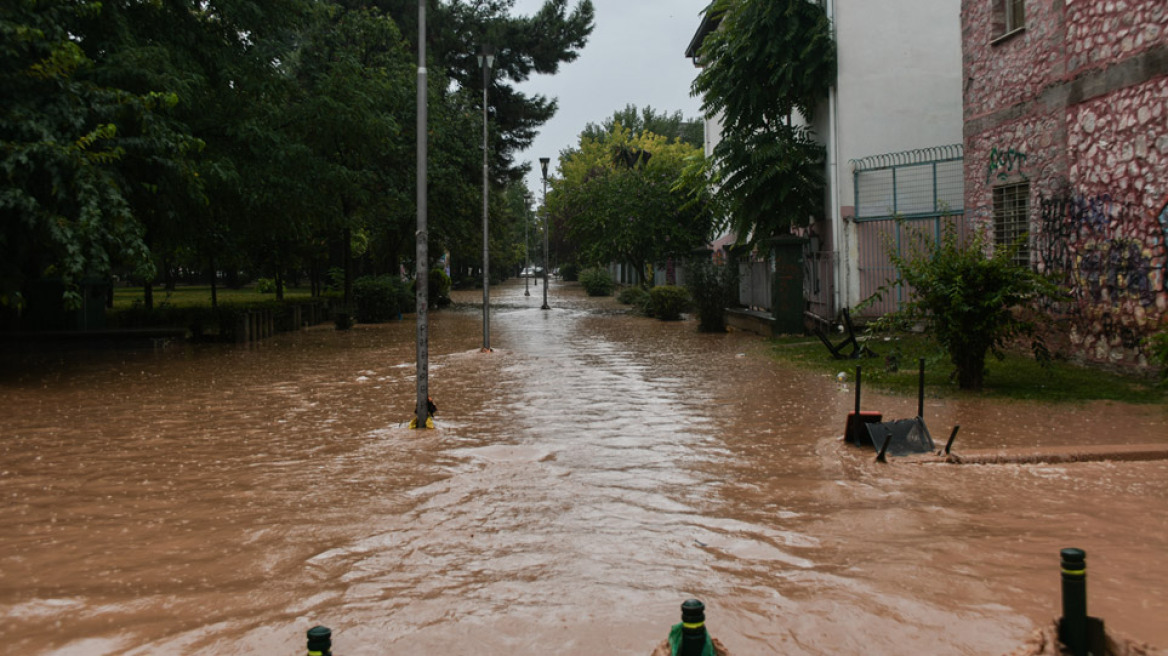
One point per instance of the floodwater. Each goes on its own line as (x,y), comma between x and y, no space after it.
(585,478)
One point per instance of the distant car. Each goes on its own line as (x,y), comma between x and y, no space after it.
(531,272)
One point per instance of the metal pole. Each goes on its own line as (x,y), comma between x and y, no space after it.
(543,162)
(486,62)
(1073,625)
(422,278)
(526,254)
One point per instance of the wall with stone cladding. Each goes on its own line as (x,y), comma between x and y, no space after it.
(1097,169)
(1002,73)
(1102,33)
(1107,231)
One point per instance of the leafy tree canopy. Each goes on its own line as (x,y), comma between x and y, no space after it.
(766,69)
(671,126)
(617,202)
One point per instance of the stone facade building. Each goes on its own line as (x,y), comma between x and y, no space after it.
(1066,153)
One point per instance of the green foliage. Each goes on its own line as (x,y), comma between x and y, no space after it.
(671,126)
(439,290)
(713,287)
(770,170)
(597,282)
(256,135)
(667,302)
(381,298)
(1157,347)
(972,304)
(618,203)
(344,318)
(1018,376)
(634,295)
(570,272)
(266,286)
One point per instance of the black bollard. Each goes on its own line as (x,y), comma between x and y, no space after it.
(320,641)
(1073,625)
(693,628)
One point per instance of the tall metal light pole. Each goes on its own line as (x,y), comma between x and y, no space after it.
(422,279)
(543,164)
(486,60)
(526,254)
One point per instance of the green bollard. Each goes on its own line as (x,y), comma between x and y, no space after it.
(1073,625)
(320,641)
(693,628)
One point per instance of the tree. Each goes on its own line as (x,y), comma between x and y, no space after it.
(671,126)
(539,43)
(971,303)
(618,203)
(766,68)
(66,203)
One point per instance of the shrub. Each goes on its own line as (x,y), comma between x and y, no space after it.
(336,279)
(266,286)
(714,287)
(570,272)
(1158,353)
(343,318)
(968,301)
(667,302)
(380,298)
(635,295)
(439,289)
(597,282)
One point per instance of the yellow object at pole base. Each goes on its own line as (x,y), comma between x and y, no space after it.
(429,422)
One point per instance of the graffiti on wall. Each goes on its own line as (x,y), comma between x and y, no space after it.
(1077,238)
(1004,162)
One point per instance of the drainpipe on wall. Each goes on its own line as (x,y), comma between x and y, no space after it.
(838,239)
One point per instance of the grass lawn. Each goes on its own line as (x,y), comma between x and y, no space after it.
(200,295)
(1018,376)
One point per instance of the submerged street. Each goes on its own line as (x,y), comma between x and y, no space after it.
(584,479)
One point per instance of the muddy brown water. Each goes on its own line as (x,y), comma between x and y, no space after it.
(586,477)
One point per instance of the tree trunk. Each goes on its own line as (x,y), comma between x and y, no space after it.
(970,370)
(347,249)
(214,285)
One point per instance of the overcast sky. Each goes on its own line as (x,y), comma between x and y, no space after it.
(635,55)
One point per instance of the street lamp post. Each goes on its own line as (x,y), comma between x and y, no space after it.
(526,255)
(421,409)
(543,164)
(486,60)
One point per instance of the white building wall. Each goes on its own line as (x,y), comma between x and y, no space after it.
(898,88)
(713,133)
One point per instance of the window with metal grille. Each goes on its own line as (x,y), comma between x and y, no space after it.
(1012,220)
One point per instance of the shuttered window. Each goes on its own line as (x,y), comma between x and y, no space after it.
(1015,14)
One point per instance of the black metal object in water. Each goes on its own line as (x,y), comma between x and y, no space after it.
(855,431)
(320,641)
(903,437)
